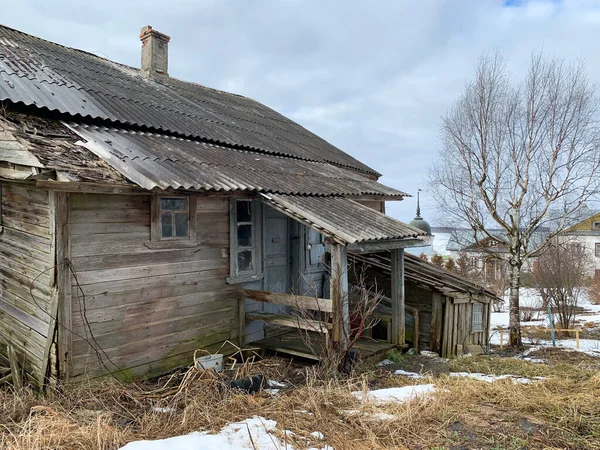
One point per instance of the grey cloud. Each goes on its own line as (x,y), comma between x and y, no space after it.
(373,78)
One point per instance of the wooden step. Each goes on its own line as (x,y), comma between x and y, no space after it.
(290,321)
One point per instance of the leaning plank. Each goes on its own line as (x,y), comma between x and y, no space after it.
(289,321)
(14,369)
(296,301)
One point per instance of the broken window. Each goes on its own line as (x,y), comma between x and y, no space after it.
(477,317)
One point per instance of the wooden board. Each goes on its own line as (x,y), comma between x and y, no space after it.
(146,305)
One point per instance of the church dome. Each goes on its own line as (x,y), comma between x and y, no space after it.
(421,224)
(418,221)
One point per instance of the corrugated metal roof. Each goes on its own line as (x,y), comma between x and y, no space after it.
(343,219)
(41,73)
(423,273)
(157,161)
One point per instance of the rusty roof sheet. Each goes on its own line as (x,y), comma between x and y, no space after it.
(157,161)
(46,75)
(342,219)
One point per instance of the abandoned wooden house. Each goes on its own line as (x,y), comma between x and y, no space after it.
(143,217)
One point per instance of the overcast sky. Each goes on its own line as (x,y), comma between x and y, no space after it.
(371,77)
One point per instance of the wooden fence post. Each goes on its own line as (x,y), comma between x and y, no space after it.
(339,295)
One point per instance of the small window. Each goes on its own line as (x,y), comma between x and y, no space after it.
(174,216)
(493,244)
(473,261)
(597,250)
(477,317)
(173,220)
(245,237)
(595,226)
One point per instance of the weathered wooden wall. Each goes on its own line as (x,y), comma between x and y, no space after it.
(26,254)
(148,308)
(457,325)
(377,205)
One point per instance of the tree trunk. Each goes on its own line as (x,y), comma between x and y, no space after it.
(514,318)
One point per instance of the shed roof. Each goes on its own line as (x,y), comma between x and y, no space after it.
(36,72)
(160,161)
(424,273)
(342,219)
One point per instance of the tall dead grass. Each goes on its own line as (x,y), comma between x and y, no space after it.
(561,411)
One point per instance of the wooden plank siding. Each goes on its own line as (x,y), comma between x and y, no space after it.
(147,308)
(457,325)
(26,268)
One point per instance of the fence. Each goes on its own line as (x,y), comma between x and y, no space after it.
(539,329)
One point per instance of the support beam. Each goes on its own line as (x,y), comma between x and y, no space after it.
(398,303)
(377,246)
(339,295)
(63,285)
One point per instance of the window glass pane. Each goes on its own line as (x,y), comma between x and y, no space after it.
(181,225)
(166,225)
(244,211)
(245,260)
(244,235)
(173,204)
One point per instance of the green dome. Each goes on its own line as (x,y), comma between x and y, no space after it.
(421,224)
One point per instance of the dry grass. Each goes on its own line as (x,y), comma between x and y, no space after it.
(562,411)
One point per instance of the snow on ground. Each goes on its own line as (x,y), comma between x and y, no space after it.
(254,433)
(404,373)
(530,297)
(399,394)
(491,378)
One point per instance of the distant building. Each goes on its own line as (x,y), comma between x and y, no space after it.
(587,233)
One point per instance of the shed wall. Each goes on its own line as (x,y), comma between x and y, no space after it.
(148,308)
(26,254)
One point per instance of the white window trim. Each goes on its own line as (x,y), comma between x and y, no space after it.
(257,251)
(156,241)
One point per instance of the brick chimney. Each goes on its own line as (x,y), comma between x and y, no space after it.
(155,53)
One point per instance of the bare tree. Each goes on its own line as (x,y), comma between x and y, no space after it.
(514,152)
(560,276)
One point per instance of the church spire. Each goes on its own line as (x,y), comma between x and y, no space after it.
(418,206)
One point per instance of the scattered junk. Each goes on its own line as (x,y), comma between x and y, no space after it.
(248,385)
(209,362)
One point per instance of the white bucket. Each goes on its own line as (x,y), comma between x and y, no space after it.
(210,362)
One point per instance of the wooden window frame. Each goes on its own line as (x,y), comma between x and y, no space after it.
(480,330)
(156,239)
(237,276)
(595,225)
(597,250)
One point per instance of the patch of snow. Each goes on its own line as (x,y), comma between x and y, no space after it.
(303,411)
(276,384)
(385,362)
(254,433)
(491,378)
(401,394)
(535,360)
(272,391)
(369,416)
(163,410)
(404,373)
(318,435)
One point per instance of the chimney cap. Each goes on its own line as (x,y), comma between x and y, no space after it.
(148,31)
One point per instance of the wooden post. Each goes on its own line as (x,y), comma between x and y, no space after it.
(577,339)
(63,285)
(501,338)
(398,303)
(339,295)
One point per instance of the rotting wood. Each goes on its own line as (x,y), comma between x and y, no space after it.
(17,376)
(296,301)
(290,321)
(63,284)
